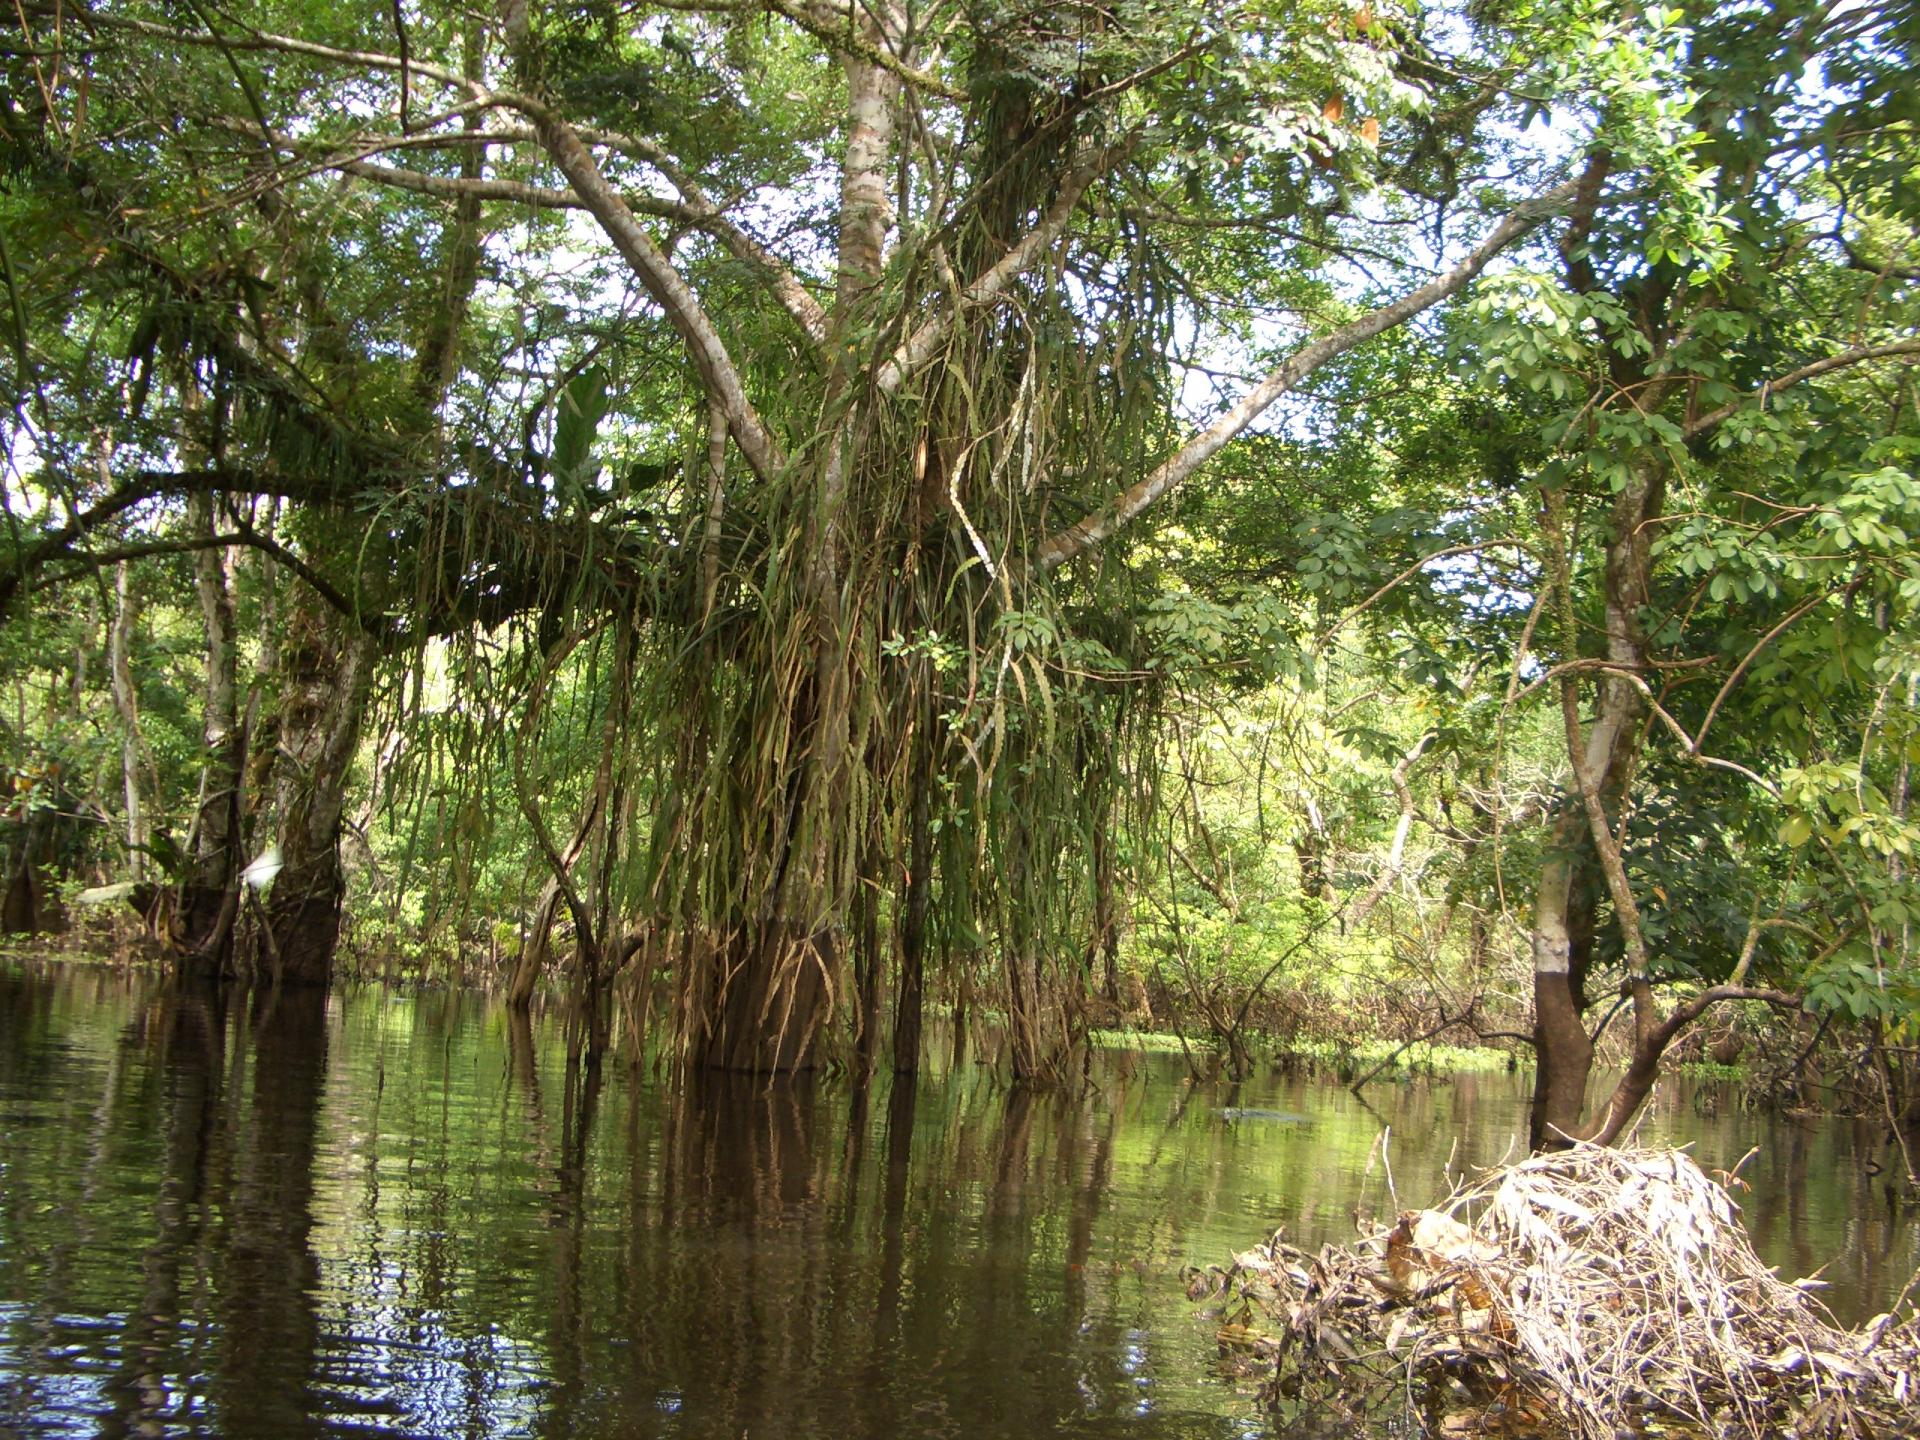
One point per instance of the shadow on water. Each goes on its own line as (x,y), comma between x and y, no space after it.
(378,1214)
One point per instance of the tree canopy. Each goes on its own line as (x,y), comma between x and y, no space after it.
(800,506)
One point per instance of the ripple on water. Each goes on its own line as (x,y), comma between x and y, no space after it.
(406,1220)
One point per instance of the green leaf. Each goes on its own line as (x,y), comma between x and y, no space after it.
(582,406)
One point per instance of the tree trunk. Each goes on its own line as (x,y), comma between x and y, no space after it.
(30,906)
(765,1006)
(1603,758)
(867,956)
(1563,1054)
(765,1012)
(910,1002)
(535,949)
(1105,944)
(209,892)
(126,700)
(328,678)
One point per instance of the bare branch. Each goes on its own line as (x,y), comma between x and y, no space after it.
(286,45)
(453,187)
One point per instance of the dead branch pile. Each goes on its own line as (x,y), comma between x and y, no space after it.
(1595,1292)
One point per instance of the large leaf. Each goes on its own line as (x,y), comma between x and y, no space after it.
(582,406)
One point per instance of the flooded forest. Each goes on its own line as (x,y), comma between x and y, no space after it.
(745,717)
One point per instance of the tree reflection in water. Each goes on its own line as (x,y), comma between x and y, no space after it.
(220,1332)
(413,1216)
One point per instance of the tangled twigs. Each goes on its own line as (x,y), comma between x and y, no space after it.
(1598,1291)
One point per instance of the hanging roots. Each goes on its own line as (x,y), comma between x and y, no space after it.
(1591,1293)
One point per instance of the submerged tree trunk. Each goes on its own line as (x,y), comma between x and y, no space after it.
(761,1001)
(30,905)
(910,1002)
(766,1004)
(534,949)
(328,676)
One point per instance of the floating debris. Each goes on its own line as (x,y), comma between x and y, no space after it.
(1593,1293)
(1234,1114)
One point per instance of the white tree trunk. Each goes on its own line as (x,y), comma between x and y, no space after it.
(126,701)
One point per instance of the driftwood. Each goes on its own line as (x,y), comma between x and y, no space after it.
(1592,1293)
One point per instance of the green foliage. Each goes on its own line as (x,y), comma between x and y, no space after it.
(1322,680)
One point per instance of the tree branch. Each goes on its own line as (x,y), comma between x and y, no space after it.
(374,629)
(55,543)
(710,216)
(95,560)
(832,25)
(1180,467)
(826,25)
(1889,269)
(1651,1045)
(286,45)
(563,144)
(1684,1015)
(665,284)
(1859,355)
(454,187)
(699,211)
(1726,687)
(919,347)
(1397,852)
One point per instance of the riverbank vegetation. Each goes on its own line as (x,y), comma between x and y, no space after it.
(1332,522)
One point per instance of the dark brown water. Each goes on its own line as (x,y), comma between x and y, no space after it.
(397,1216)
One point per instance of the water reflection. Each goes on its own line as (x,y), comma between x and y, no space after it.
(169,1204)
(190,1033)
(413,1216)
(266,1276)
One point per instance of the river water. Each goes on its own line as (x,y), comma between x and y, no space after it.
(401,1215)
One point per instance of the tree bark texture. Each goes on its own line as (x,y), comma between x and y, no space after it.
(126,614)
(328,677)
(209,897)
